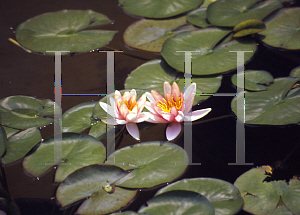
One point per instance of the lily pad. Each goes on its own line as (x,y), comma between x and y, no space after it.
(64,31)
(158,8)
(149,35)
(248,27)
(99,113)
(276,106)
(283,29)
(198,17)
(224,197)
(98,130)
(3,140)
(88,182)
(178,202)
(160,72)
(207,2)
(254,79)
(20,144)
(211,59)
(152,163)
(78,150)
(229,13)
(10,131)
(78,118)
(24,112)
(261,197)
(295,72)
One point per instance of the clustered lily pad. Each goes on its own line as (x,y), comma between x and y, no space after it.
(64,31)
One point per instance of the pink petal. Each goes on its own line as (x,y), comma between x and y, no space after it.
(121,121)
(189,96)
(156,96)
(167,88)
(141,103)
(132,115)
(197,114)
(149,107)
(105,121)
(126,96)
(133,130)
(179,117)
(175,91)
(150,97)
(107,108)
(133,92)
(173,130)
(123,110)
(169,117)
(141,118)
(117,95)
(174,111)
(155,119)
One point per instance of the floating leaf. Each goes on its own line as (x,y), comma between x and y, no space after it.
(254,79)
(224,197)
(10,131)
(87,183)
(160,72)
(283,29)
(98,130)
(211,59)
(276,106)
(64,31)
(153,163)
(207,2)
(178,202)
(3,140)
(262,197)
(250,26)
(149,35)
(229,13)
(24,112)
(295,72)
(157,8)
(78,150)
(20,144)
(78,118)
(198,17)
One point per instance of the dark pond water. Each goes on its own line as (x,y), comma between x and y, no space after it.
(213,142)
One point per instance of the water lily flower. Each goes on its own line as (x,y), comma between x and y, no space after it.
(171,109)
(126,110)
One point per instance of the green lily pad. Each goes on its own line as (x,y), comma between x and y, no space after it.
(157,8)
(283,29)
(248,27)
(207,2)
(98,130)
(20,144)
(224,197)
(281,210)
(295,72)
(211,59)
(149,35)
(254,79)
(78,118)
(10,131)
(88,182)
(3,140)
(78,150)
(229,13)
(99,113)
(64,31)
(160,72)
(178,202)
(261,197)
(152,163)
(24,112)
(198,17)
(276,106)
(128,213)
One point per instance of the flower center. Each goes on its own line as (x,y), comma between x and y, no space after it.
(169,103)
(130,104)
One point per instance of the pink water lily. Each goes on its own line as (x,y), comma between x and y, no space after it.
(171,108)
(126,110)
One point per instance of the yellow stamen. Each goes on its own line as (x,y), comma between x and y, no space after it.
(131,103)
(168,104)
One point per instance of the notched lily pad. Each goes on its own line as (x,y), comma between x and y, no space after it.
(24,112)
(178,202)
(248,27)
(152,75)
(152,163)
(229,13)
(64,31)
(158,8)
(278,105)
(295,72)
(198,17)
(78,150)
(149,35)
(209,58)
(224,197)
(20,144)
(262,198)
(283,29)
(254,79)
(88,182)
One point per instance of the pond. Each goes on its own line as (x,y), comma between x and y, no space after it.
(214,136)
